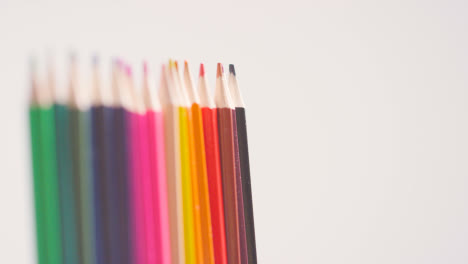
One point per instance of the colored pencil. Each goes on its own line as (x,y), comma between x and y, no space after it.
(115,189)
(136,169)
(156,146)
(210,128)
(99,196)
(186,168)
(38,175)
(122,156)
(68,202)
(199,161)
(113,183)
(168,96)
(228,165)
(146,177)
(53,223)
(80,127)
(244,165)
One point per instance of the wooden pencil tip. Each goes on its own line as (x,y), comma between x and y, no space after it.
(128,70)
(72,56)
(220,70)
(232,70)
(202,70)
(176,65)
(95,60)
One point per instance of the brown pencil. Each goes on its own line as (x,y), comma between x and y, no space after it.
(228,168)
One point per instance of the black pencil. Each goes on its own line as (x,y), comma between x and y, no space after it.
(244,165)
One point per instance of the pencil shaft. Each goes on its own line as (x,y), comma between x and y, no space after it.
(159,183)
(121,158)
(51,186)
(189,222)
(68,203)
(83,179)
(226,146)
(199,161)
(136,198)
(38,181)
(196,203)
(174,182)
(210,126)
(99,190)
(147,190)
(112,187)
(246,184)
(239,195)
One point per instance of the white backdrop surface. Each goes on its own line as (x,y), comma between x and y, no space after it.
(357,115)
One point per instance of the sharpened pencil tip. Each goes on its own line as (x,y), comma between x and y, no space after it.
(219,70)
(202,70)
(145,67)
(176,65)
(232,70)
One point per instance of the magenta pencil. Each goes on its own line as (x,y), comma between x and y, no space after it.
(147,192)
(156,147)
(147,176)
(136,172)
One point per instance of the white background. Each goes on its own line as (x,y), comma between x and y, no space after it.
(357,115)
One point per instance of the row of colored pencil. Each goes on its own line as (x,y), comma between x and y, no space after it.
(141,176)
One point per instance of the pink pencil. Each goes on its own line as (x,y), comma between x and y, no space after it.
(155,128)
(137,171)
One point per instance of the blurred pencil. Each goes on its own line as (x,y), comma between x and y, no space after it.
(190,224)
(35,105)
(156,147)
(210,128)
(68,201)
(168,96)
(53,224)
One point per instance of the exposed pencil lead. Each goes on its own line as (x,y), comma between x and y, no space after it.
(220,70)
(202,70)
(176,65)
(234,88)
(232,70)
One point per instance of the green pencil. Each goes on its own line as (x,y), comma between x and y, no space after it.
(51,185)
(38,182)
(68,201)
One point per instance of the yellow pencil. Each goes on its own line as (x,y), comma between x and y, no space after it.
(186,169)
